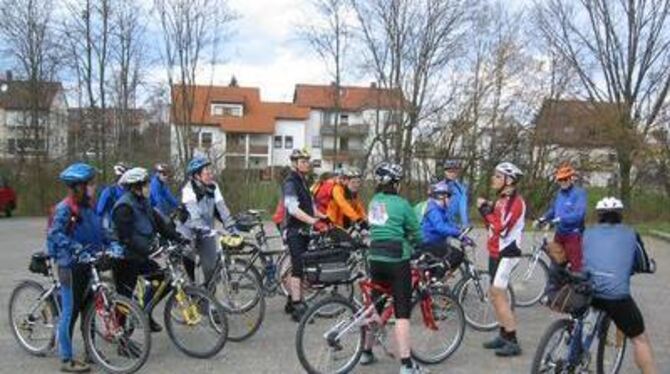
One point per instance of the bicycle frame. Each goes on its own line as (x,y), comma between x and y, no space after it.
(580,344)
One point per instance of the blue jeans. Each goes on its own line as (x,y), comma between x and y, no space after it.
(74,282)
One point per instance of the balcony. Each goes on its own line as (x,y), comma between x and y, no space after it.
(258,149)
(346,130)
(241,149)
(343,154)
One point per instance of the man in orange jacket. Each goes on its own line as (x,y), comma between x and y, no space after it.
(346,207)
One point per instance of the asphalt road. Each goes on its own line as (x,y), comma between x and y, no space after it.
(272,350)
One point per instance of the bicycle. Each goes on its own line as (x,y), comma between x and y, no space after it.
(530,276)
(343,339)
(472,291)
(187,307)
(565,345)
(108,317)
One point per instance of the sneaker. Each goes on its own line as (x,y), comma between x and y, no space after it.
(367,358)
(509,349)
(497,343)
(74,366)
(414,369)
(298,311)
(288,307)
(155,326)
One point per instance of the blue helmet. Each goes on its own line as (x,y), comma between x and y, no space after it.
(77,173)
(452,164)
(440,189)
(196,164)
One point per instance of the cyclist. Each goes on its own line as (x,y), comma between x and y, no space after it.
(568,211)
(75,226)
(136,224)
(204,204)
(394,230)
(505,221)
(437,227)
(458,208)
(301,216)
(612,253)
(346,209)
(160,195)
(109,196)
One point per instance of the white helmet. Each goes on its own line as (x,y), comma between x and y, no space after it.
(120,168)
(134,176)
(609,204)
(510,170)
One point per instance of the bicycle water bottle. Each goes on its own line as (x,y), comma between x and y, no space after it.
(270,271)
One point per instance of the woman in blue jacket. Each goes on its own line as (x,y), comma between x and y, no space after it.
(437,226)
(75,227)
(159,192)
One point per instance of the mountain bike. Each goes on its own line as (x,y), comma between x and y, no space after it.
(566,344)
(333,343)
(115,329)
(195,321)
(530,276)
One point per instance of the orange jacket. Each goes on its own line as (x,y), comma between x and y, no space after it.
(343,211)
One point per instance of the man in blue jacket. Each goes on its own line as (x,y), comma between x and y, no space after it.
(567,212)
(437,226)
(458,206)
(159,192)
(613,252)
(109,196)
(75,227)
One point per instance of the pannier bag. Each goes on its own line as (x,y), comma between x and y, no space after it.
(571,298)
(324,267)
(39,263)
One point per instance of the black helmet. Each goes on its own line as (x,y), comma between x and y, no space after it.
(386,173)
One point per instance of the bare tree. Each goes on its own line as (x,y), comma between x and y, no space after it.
(408,45)
(192,33)
(620,52)
(328,32)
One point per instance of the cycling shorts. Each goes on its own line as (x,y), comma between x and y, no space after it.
(297,245)
(399,276)
(625,314)
(500,270)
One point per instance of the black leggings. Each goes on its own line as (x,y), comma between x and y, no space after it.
(399,276)
(126,273)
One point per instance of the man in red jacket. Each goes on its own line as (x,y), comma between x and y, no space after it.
(505,221)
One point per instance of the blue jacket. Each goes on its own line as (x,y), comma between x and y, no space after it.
(570,206)
(107,199)
(437,224)
(612,253)
(64,237)
(458,205)
(161,197)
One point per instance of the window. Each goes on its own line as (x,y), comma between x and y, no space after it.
(278,141)
(288,142)
(344,119)
(316,141)
(206,140)
(316,163)
(344,144)
(219,109)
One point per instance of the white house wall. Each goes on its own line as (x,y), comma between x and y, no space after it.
(293,128)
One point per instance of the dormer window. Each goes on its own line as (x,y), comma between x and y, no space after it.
(226,109)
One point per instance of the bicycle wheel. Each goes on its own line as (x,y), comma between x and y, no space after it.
(33,318)
(611,348)
(528,280)
(202,329)
(553,350)
(329,345)
(242,297)
(432,344)
(116,333)
(308,292)
(479,313)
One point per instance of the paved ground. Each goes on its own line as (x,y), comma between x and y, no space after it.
(272,349)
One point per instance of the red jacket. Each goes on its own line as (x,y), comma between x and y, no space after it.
(505,224)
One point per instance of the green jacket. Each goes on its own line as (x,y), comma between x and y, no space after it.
(392,218)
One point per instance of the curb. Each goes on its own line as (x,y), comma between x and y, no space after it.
(660,235)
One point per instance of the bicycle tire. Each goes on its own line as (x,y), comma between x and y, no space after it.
(460,328)
(602,344)
(469,318)
(555,327)
(308,321)
(240,327)
(90,343)
(51,314)
(542,271)
(220,326)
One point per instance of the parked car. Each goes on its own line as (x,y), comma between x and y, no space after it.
(7,200)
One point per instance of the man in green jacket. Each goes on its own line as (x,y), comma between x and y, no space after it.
(394,231)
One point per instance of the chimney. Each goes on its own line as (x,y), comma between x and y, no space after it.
(8,75)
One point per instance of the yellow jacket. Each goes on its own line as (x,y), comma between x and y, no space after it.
(343,211)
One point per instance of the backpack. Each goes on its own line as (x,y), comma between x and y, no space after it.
(323,194)
(73,220)
(644,263)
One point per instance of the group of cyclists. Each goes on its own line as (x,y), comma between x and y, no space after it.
(129,215)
